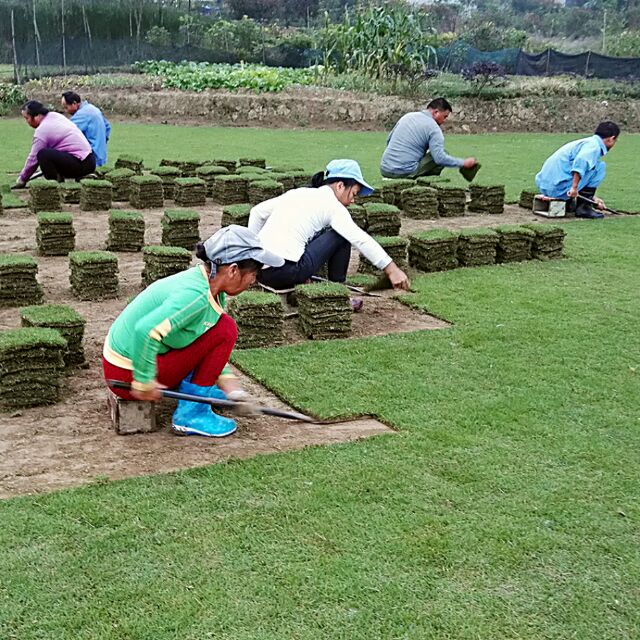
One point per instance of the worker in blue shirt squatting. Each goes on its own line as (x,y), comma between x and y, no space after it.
(576,170)
(90,120)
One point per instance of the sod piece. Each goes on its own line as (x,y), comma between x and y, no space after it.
(433,250)
(130,161)
(146,192)
(126,231)
(526,199)
(420,203)
(287,180)
(428,181)
(231,189)
(262,190)
(45,196)
(382,219)
(55,235)
(102,171)
(68,322)
(365,281)
(391,190)
(161,261)
(167,174)
(18,284)
(208,173)
(229,164)
(121,181)
(70,192)
(253,162)
(95,195)
(287,168)
(477,247)
(188,168)
(324,310)
(548,243)
(236,214)
(300,179)
(486,199)
(251,169)
(31,367)
(452,201)
(359,215)
(260,319)
(190,192)
(180,228)
(93,274)
(395,246)
(514,244)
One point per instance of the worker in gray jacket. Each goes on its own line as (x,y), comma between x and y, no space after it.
(415,146)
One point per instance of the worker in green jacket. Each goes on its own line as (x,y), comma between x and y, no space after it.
(177,334)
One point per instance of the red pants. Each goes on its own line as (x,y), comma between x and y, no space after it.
(206,357)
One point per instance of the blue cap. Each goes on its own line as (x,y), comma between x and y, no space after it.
(348,169)
(233,243)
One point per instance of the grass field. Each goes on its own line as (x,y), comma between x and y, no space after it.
(505,507)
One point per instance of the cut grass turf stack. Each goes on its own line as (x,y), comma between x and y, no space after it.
(70,192)
(55,235)
(121,181)
(126,230)
(435,250)
(395,246)
(235,214)
(95,195)
(231,189)
(31,367)
(287,180)
(260,319)
(160,262)
(146,192)
(514,244)
(225,162)
(392,189)
(452,201)
(359,215)
(420,203)
(486,199)
(180,228)
(252,162)
(251,169)
(548,243)
(300,179)
(130,161)
(68,322)
(382,219)
(94,274)
(190,192)
(102,171)
(168,176)
(262,190)
(477,247)
(18,284)
(45,196)
(526,199)
(208,173)
(188,168)
(324,310)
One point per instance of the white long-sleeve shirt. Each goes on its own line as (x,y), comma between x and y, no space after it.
(287,223)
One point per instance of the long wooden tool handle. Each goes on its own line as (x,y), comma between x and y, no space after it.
(362,292)
(616,213)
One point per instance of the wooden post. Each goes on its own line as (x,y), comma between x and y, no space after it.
(16,68)
(64,40)
(586,66)
(548,60)
(36,35)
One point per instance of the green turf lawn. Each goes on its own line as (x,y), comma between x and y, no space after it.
(495,512)
(511,159)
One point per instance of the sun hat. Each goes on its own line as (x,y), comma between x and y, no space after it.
(234,243)
(345,168)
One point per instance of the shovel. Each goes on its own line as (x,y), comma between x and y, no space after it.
(615,213)
(216,402)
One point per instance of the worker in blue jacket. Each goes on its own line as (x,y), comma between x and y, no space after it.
(90,120)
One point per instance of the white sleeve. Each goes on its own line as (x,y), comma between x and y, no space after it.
(342,223)
(260,214)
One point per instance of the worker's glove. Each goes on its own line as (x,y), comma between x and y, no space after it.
(19,185)
(246,406)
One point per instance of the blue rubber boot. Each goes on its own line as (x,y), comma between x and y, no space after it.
(196,419)
(208,392)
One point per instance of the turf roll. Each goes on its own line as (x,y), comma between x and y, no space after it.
(358,215)
(391,190)
(208,173)
(452,201)
(526,199)
(261,190)
(514,243)
(70,192)
(121,181)
(548,243)
(395,246)
(168,175)
(252,162)
(486,199)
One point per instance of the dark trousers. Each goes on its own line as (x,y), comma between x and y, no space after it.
(58,165)
(328,247)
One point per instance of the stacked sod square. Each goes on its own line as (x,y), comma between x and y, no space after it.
(452,201)
(188,168)
(252,170)
(55,235)
(95,195)
(180,228)
(286,168)
(70,192)
(190,192)
(126,230)
(287,180)
(261,190)
(94,274)
(548,242)
(146,192)
(420,203)
(130,161)
(391,190)
(171,162)
(526,199)
(231,189)
(121,181)
(45,196)
(514,243)
(68,322)
(435,250)
(359,215)
(382,219)
(208,173)
(260,319)
(18,284)
(31,367)
(477,247)
(168,176)
(324,310)
(235,214)
(395,246)
(300,179)
(161,261)
(486,199)
(432,181)
(227,163)
(102,171)
(252,162)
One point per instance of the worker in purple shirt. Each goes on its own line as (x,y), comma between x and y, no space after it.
(90,120)
(58,147)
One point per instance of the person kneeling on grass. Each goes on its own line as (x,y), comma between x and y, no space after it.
(175,333)
(310,227)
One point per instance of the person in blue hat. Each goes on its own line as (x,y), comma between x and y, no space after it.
(311,226)
(177,334)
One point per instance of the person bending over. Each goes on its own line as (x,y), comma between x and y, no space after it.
(176,333)
(415,146)
(90,120)
(577,169)
(312,226)
(58,146)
